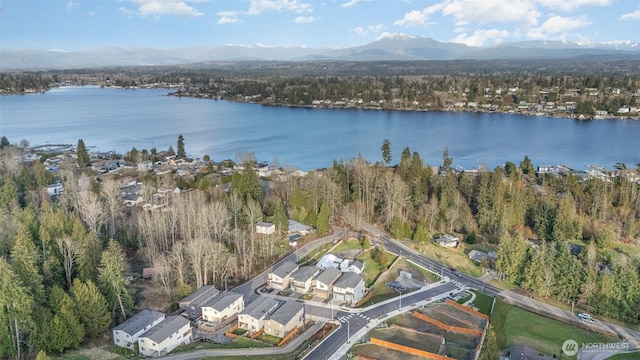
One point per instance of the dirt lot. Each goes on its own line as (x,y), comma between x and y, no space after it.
(150,296)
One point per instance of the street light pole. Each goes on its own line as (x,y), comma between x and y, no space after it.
(399,299)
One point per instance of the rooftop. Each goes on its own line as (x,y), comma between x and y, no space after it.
(164,329)
(328,276)
(201,296)
(285,269)
(305,273)
(259,307)
(348,280)
(139,321)
(222,300)
(286,312)
(523,352)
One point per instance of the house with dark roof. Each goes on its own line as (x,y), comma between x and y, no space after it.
(126,334)
(447,240)
(279,277)
(288,316)
(192,304)
(222,306)
(324,282)
(349,288)
(253,315)
(302,279)
(166,336)
(523,352)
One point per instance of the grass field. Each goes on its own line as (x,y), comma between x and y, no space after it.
(513,325)
(451,258)
(379,352)
(372,269)
(483,302)
(630,356)
(347,245)
(237,343)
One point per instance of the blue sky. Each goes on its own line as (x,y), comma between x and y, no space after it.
(85,24)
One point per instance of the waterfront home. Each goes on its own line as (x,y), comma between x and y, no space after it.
(126,334)
(349,288)
(289,316)
(166,336)
(301,279)
(222,306)
(324,282)
(253,315)
(193,303)
(279,277)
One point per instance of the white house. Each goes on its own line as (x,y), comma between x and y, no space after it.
(447,240)
(288,316)
(279,277)
(126,334)
(301,279)
(192,304)
(349,288)
(222,306)
(252,317)
(354,266)
(266,228)
(324,282)
(54,189)
(166,336)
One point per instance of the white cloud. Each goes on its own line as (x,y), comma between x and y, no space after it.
(259,6)
(557,25)
(350,3)
(635,15)
(376,28)
(464,12)
(304,19)
(419,17)
(159,8)
(71,5)
(228,17)
(360,31)
(569,5)
(481,36)
(91,13)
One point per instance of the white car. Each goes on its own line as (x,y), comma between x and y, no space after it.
(586,318)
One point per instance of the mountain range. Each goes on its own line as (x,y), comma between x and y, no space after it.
(392,47)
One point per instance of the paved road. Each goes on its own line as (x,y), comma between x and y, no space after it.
(355,324)
(633,335)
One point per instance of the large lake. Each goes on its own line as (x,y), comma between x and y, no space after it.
(113,119)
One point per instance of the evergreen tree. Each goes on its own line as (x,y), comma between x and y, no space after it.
(446,159)
(526,166)
(112,281)
(91,307)
(4,142)
(490,350)
(16,311)
(65,330)
(82,154)
(422,233)
(170,151)
(323,224)
(25,263)
(280,217)
(180,146)
(511,257)
(386,151)
(42,355)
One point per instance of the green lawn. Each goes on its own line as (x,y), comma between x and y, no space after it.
(347,245)
(513,325)
(630,356)
(269,339)
(483,302)
(464,299)
(315,254)
(371,268)
(451,258)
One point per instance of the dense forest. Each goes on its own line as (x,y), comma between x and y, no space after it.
(65,264)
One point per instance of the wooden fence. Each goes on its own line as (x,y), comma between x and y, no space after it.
(258,333)
(229,333)
(446,327)
(467,309)
(407,349)
(288,336)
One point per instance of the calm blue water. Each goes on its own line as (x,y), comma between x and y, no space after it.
(111,119)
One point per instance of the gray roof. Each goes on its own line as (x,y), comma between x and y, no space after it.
(304,273)
(286,312)
(264,224)
(523,352)
(348,280)
(201,296)
(164,329)
(328,276)
(259,307)
(139,321)
(285,268)
(222,300)
(359,264)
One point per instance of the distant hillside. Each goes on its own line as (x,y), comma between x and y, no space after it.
(394,47)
